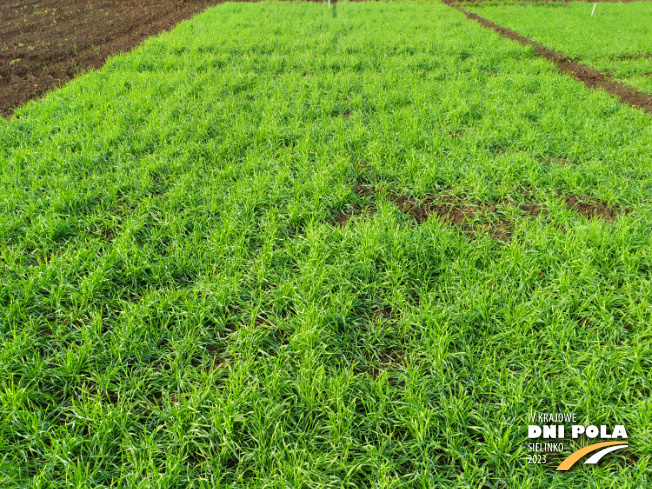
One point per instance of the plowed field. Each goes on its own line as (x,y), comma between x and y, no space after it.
(44,44)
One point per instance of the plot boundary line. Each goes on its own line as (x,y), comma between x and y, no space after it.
(591,77)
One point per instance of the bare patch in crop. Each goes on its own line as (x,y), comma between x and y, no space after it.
(531,208)
(592,208)
(391,356)
(557,161)
(342,218)
(501,231)
(471,216)
(475,217)
(218,356)
(365,191)
(383,360)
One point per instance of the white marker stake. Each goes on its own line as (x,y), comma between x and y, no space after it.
(329,5)
(594,5)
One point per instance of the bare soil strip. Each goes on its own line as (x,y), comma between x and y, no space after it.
(471,216)
(45,44)
(457,212)
(590,77)
(593,209)
(475,217)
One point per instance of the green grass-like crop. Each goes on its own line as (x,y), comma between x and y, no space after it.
(616,40)
(178,310)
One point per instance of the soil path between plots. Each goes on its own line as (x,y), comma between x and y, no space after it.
(46,43)
(587,75)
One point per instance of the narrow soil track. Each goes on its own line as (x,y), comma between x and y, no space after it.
(472,216)
(44,44)
(587,75)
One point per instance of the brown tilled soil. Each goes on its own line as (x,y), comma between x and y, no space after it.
(364,191)
(590,209)
(45,43)
(471,216)
(343,217)
(590,77)
(460,213)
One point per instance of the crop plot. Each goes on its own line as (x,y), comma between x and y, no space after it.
(277,248)
(616,39)
(46,43)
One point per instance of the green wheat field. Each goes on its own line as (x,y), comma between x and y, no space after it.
(281,248)
(616,39)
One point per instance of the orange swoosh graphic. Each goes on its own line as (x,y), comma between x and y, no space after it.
(575,456)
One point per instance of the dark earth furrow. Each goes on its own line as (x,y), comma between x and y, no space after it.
(587,75)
